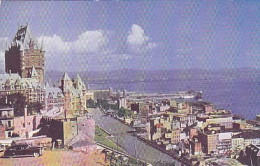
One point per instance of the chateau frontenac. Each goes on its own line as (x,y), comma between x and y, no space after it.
(24,54)
(25,68)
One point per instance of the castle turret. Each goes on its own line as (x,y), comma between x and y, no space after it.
(79,84)
(66,82)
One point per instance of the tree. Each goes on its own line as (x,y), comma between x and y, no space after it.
(121,112)
(34,108)
(103,103)
(124,112)
(90,103)
(113,106)
(17,101)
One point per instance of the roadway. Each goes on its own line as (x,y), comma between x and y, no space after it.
(132,145)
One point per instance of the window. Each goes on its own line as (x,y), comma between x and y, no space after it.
(9,134)
(9,123)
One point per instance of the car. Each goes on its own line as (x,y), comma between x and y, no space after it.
(23,150)
(2,148)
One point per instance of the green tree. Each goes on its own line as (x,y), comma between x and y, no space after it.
(34,108)
(102,103)
(90,103)
(124,112)
(17,101)
(121,112)
(113,106)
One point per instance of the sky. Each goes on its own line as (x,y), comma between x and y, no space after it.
(149,35)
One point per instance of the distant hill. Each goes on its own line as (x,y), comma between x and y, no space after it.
(131,75)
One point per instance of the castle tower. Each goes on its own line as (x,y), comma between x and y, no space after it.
(66,82)
(79,84)
(24,53)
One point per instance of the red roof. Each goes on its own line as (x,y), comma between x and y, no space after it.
(159,125)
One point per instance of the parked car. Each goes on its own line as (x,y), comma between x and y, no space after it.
(2,148)
(23,150)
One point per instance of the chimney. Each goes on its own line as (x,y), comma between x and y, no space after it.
(25,111)
(6,102)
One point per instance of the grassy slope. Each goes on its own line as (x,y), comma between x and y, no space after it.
(101,137)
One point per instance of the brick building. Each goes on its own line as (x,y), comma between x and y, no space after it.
(75,94)
(195,144)
(67,129)
(24,66)
(26,125)
(175,136)
(209,141)
(31,88)
(24,53)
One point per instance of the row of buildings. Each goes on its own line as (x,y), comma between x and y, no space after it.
(194,129)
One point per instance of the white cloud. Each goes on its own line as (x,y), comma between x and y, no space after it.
(87,42)
(54,44)
(137,36)
(3,42)
(138,41)
(2,61)
(90,41)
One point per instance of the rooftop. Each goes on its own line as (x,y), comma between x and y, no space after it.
(25,39)
(65,77)
(251,134)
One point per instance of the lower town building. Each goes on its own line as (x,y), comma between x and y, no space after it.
(185,120)
(6,121)
(222,120)
(195,146)
(209,141)
(251,137)
(237,143)
(26,126)
(175,136)
(224,143)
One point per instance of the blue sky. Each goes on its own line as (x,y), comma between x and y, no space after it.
(151,35)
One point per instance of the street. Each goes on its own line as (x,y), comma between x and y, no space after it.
(129,143)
